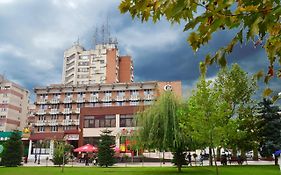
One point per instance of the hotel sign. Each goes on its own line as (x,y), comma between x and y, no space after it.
(72,137)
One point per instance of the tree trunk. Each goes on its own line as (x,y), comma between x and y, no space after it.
(217,168)
(275,160)
(179,167)
(218,154)
(210,157)
(256,154)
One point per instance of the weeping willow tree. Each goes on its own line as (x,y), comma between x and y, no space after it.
(159,128)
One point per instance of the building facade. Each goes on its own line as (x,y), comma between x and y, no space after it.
(100,65)
(13,106)
(58,107)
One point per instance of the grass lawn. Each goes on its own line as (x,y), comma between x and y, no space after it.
(227,170)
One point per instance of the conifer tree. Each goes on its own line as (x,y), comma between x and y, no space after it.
(106,153)
(13,151)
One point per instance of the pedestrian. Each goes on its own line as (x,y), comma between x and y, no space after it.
(86,159)
(189,159)
(201,159)
(35,158)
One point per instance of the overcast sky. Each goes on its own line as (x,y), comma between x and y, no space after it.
(34,35)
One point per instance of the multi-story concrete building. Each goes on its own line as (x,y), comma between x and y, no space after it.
(100,65)
(13,105)
(58,107)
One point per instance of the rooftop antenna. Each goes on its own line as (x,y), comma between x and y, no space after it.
(108,30)
(96,35)
(76,43)
(102,34)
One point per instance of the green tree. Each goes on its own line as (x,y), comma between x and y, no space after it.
(255,20)
(159,127)
(207,121)
(106,153)
(236,89)
(13,150)
(61,151)
(270,124)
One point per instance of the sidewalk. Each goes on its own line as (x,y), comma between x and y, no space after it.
(144,164)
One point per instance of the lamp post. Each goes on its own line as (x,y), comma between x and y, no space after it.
(40,146)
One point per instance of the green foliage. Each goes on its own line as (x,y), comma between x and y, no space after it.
(13,150)
(257,21)
(237,89)
(159,126)
(270,124)
(61,153)
(207,121)
(106,153)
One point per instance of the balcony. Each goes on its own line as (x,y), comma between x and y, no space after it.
(67,100)
(42,101)
(94,99)
(53,123)
(106,99)
(134,97)
(148,97)
(54,111)
(77,111)
(66,111)
(80,100)
(54,101)
(40,123)
(66,122)
(75,122)
(120,98)
(41,112)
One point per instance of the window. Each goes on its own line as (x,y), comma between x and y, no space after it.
(67,117)
(107,93)
(55,106)
(89,122)
(134,103)
(127,121)
(68,106)
(54,117)
(80,105)
(120,103)
(121,93)
(41,117)
(148,92)
(100,121)
(54,128)
(41,128)
(134,92)
(3,109)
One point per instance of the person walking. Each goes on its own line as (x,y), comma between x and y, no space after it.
(35,158)
(189,159)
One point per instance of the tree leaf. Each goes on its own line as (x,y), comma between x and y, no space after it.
(267,92)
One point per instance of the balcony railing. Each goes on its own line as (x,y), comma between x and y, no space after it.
(53,123)
(149,97)
(66,111)
(67,122)
(134,97)
(75,122)
(106,99)
(41,123)
(42,101)
(67,100)
(120,98)
(41,112)
(54,101)
(80,100)
(54,111)
(94,99)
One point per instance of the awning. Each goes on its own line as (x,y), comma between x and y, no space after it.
(47,136)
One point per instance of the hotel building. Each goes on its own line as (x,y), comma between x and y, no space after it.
(104,90)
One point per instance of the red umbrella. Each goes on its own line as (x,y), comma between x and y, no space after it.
(86,148)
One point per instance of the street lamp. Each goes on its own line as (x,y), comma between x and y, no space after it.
(40,144)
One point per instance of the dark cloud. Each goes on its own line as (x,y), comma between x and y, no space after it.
(34,35)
